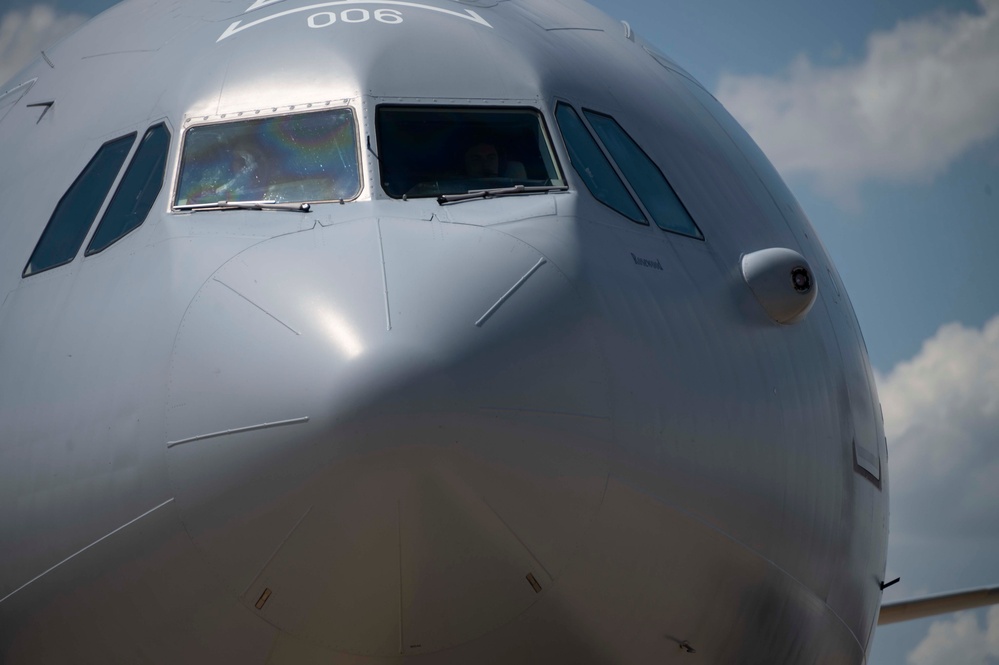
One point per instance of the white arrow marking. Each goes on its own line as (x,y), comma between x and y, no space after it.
(469,15)
(261,3)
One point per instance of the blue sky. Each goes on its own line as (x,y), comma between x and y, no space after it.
(883,117)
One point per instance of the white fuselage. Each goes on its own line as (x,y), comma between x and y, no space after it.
(521,429)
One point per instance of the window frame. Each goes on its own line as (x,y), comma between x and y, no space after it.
(137,147)
(638,198)
(192,122)
(552,145)
(650,220)
(131,137)
(646,221)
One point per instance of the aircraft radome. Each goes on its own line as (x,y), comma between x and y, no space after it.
(444,332)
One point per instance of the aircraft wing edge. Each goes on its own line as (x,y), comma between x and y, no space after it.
(919,608)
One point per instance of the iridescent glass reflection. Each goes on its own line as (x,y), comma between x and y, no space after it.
(293,158)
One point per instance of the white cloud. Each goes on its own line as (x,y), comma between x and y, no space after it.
(959,641)
(24,33)
(942,422)
(924,93)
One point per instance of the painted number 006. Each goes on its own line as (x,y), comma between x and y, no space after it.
(355,15)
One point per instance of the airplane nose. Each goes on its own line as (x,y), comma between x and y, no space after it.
(387,436)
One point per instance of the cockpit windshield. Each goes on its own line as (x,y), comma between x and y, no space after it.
(429,151)
(305,157)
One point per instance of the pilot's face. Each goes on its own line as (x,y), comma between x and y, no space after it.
(482,161)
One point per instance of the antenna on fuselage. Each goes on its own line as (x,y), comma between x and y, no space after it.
(47,106)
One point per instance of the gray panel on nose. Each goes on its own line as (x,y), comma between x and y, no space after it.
(343,433)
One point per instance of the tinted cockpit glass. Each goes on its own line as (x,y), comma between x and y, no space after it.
(427,151)
(78,207)
(295,158)
(649,183)
(593,167)
(139,188)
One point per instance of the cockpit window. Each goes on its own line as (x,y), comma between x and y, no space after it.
(593,167)
(649,183)
(429,151)
(138,190)
(305,157)
(78,207)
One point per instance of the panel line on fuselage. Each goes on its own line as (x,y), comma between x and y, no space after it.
(520,540)
(276,550)
(257,306)
(546,412)
(381,254)
(239,430)
(75,554)
(506,296)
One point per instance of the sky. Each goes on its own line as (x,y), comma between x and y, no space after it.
(883,117)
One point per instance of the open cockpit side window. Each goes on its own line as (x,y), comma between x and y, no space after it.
(295,158)
(431,151)
(78,207)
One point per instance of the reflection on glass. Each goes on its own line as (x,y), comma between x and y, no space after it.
(428,151)
(78,207)
(594,169)
(294,158)
(138,190)
(649,183)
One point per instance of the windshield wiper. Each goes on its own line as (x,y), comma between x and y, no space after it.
(246,205)
(499,191)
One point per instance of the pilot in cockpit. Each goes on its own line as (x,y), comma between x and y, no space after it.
(482,160)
